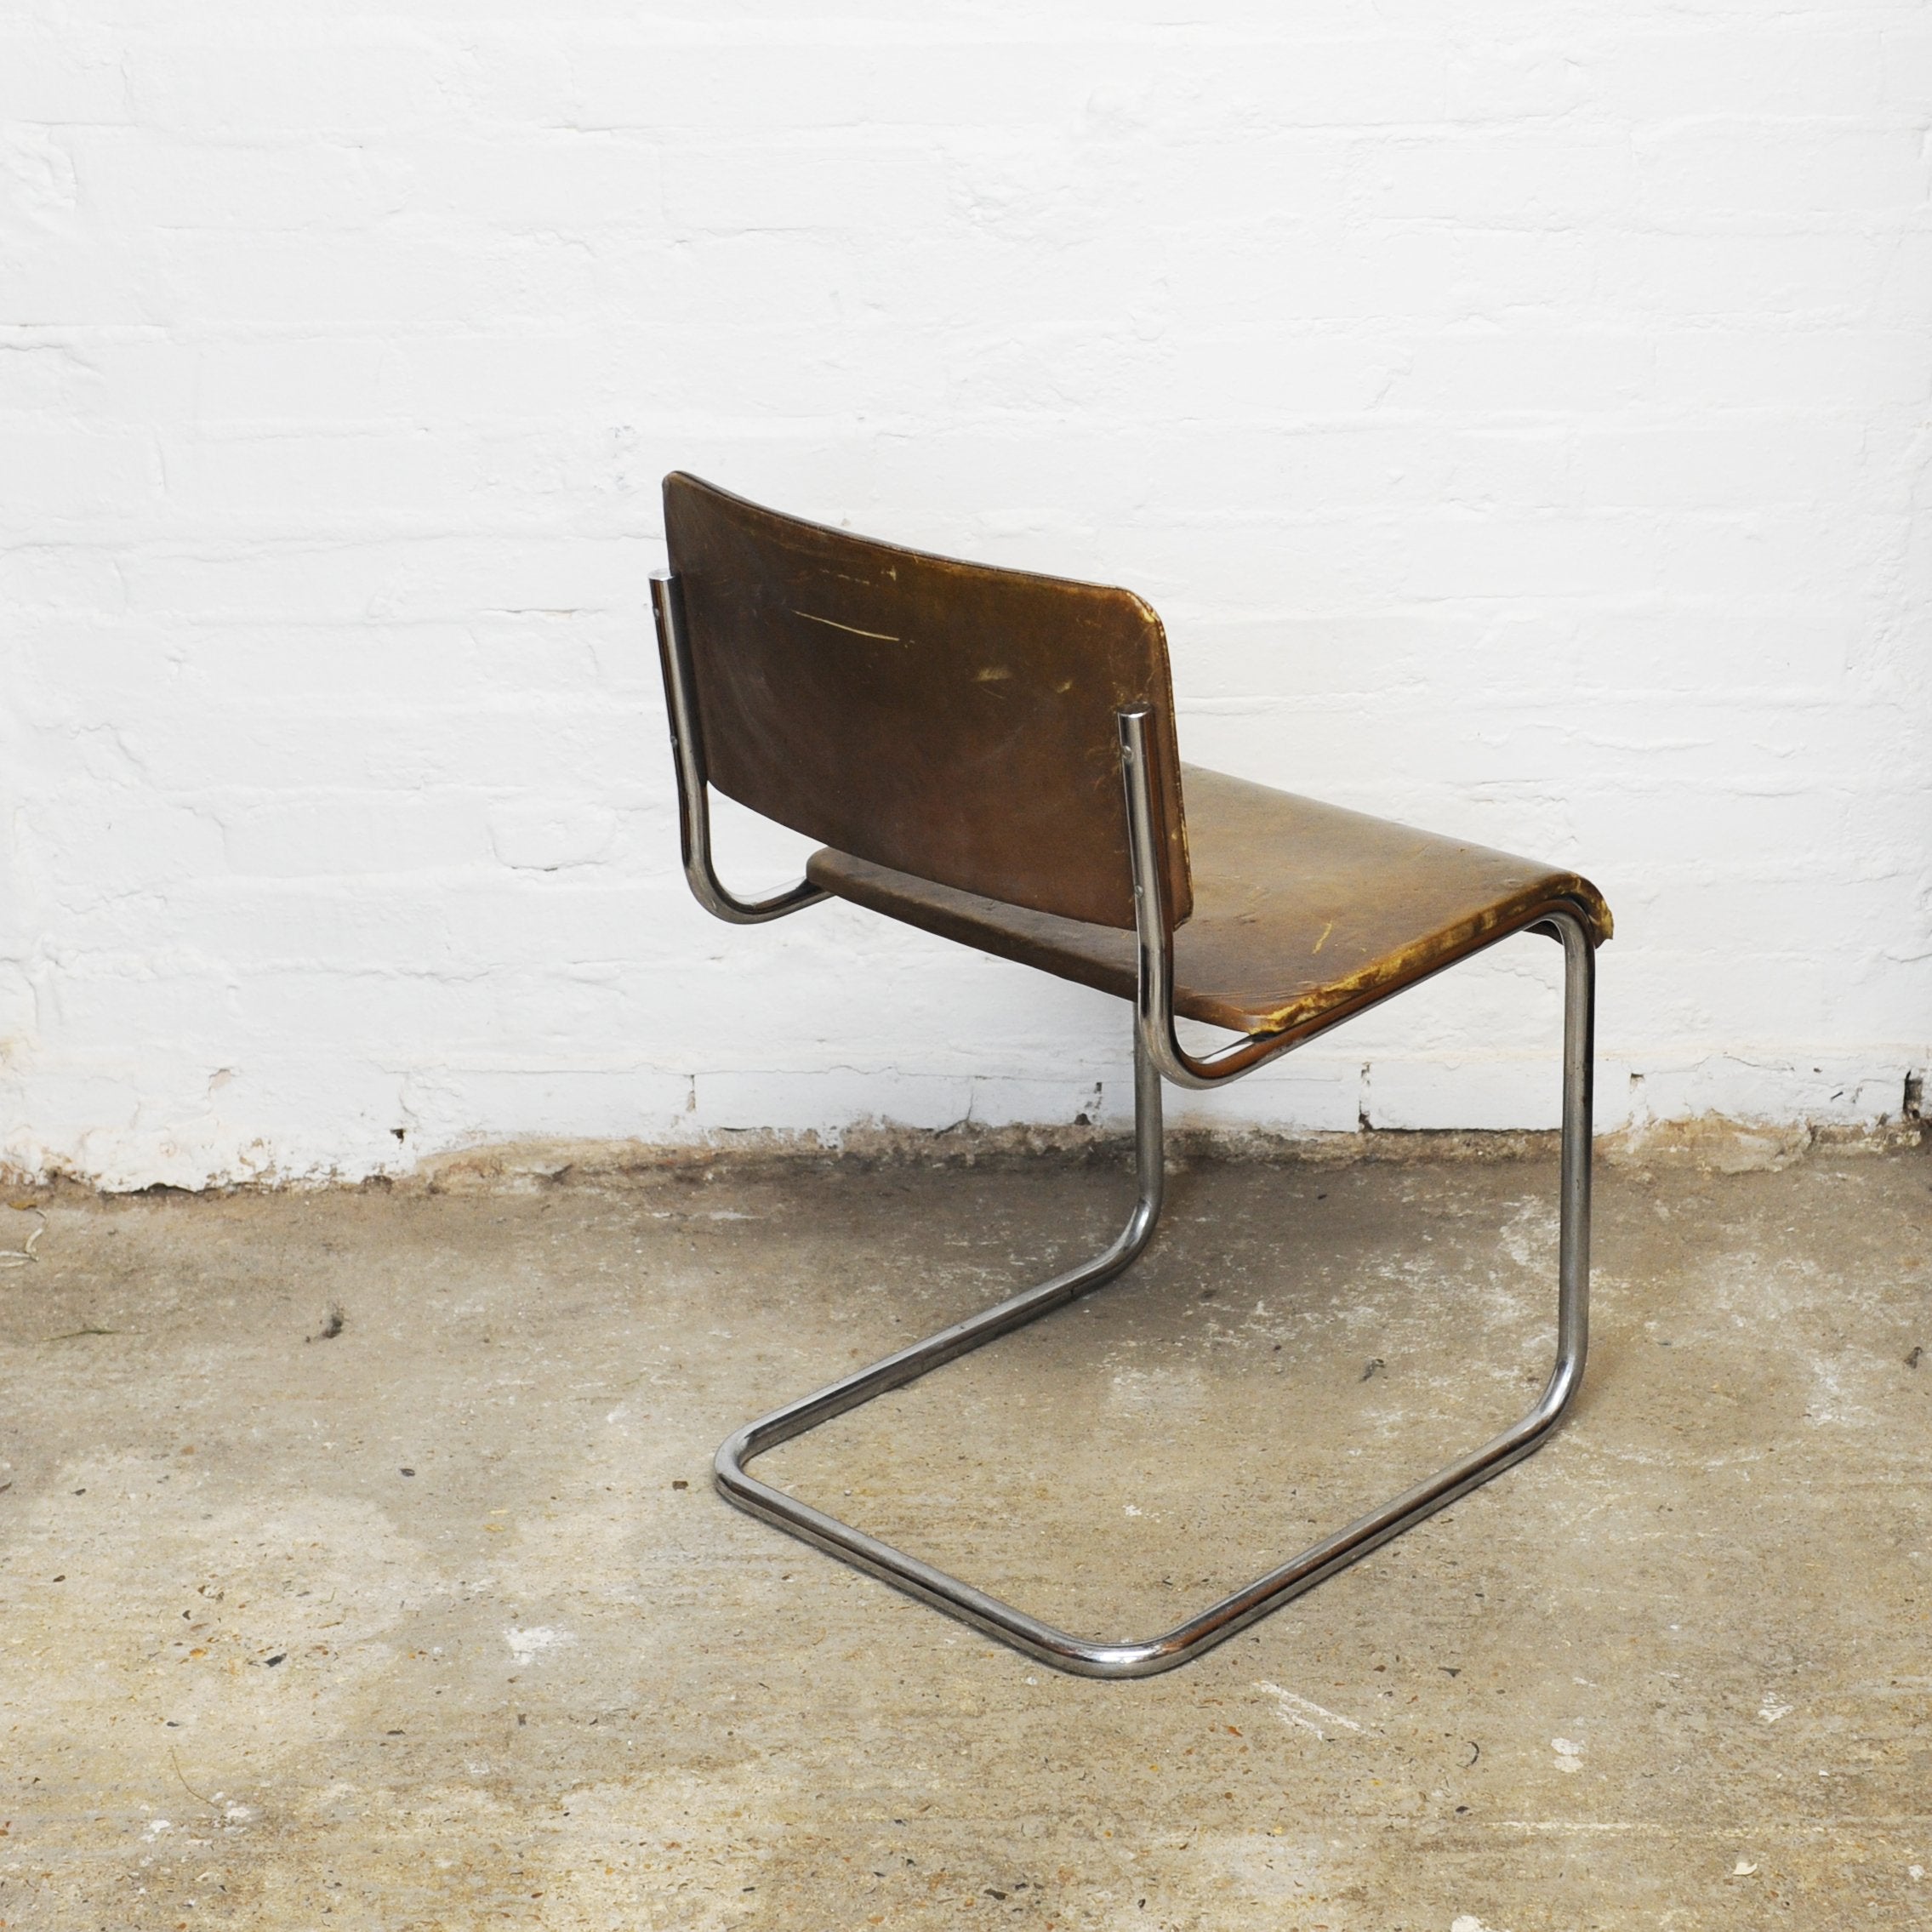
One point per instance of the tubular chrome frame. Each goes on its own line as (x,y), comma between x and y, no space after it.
(1158,1055)
(693,787)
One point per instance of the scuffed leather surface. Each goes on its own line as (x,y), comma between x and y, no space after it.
(1304,912)
(948,720)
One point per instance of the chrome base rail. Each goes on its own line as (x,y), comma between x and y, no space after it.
(1320,1560)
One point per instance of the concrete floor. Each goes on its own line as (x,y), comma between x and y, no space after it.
(435,1621)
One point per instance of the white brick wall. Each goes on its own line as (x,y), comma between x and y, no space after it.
(1517,410)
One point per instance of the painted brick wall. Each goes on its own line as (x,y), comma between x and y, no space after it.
(1517,410)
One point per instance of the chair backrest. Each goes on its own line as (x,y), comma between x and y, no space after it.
(947,720)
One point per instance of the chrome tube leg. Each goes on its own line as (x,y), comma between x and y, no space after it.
(740,1486)
(1579,1094)
(1234,1612)
(910,1363)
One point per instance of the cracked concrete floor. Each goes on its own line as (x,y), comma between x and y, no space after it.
(435,1621)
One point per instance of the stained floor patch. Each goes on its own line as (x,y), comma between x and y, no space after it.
(359,1562)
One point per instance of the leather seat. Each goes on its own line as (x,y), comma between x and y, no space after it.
(1304,912)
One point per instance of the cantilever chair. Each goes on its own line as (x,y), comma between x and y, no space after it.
(990,755)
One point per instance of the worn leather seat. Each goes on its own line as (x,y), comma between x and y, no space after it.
(1304,912)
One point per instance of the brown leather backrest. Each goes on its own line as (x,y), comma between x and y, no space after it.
(947,720)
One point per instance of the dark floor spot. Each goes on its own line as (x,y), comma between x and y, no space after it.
(332,1324)
(279,1656)
(409,1471)
(680,1484)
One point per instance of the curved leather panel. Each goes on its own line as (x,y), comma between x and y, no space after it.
(1304,913)
(945,720)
